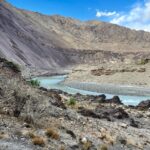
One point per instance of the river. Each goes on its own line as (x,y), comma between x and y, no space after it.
(56,82)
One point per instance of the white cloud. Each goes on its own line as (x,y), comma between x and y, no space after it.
(137,18)
(105,14)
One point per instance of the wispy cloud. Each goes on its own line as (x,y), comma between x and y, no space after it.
(137,18)
(105,14)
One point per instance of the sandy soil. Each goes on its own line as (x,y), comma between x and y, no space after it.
(82,73)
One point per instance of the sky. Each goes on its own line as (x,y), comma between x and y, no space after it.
(134,14)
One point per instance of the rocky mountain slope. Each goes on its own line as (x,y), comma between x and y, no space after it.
(40,42)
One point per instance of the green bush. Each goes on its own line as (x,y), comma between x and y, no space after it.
(72,101)
(35,83)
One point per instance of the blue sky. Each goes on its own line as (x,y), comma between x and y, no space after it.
(130,13)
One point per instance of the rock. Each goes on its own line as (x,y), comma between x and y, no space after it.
(139,115)
(124,125)
(71,133)
(43,89)
(121,140)
(88,113)
(101,98)
(20,101)
(141,70)
(133,123)
(115,100)
(1,92)
(120,113)
(86,144)
(144,105)
(84,140)
(56,100)
(147,114)
(117,113)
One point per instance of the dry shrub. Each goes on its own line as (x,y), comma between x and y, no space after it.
(52,133)
(62,147)
(2,135)
(103,147)
(87,145)
(38,141)
(31,135)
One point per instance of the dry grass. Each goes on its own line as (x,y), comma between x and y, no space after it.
(87,145)
(62,148)
(31,135)
(2,135)
(52,133)
(38,141)
(103,147)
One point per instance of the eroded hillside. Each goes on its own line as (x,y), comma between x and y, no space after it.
(51,43)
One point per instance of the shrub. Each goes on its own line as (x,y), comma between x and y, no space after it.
(13,66)
(87,145)
(62,148)
(72,101)
(2,135)
(38,141)
(31,135)
(52,133)
(35,83)
(143,61)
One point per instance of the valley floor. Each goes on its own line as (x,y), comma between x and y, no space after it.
(112,73)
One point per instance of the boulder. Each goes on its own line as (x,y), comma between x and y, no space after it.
(1,92)
(116,113)
(105,113)
(115,100)
(88,113)
(144,105)
(134,123)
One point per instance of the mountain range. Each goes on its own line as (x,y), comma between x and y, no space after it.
(52,43)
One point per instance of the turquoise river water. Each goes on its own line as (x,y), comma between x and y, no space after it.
(54,82)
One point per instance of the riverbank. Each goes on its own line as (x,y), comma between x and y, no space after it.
(112,73)
(109,88)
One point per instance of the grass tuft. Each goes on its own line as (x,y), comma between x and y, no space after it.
(38,141)
(52,133)
(72,101)
(104,147)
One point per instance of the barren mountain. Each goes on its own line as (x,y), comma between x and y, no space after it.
(43,42)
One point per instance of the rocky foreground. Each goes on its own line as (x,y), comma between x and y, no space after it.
(33,118)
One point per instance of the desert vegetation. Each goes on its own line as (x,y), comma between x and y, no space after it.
(72,101)
(34,83)
(52,133)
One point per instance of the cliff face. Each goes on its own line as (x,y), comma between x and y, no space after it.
(49,42)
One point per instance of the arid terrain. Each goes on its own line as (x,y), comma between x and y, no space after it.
(130,74)
(35,118)
(49,45)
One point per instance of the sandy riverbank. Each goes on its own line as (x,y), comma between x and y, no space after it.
(82,73)
(124,83)
(110,88)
